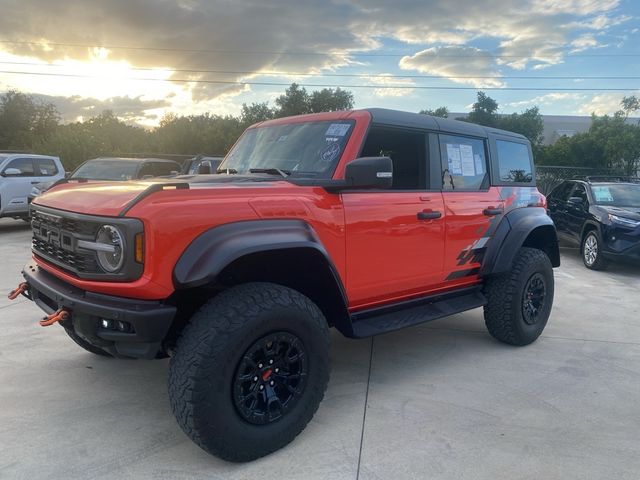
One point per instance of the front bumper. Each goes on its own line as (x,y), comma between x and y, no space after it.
(621,244)
(149,321)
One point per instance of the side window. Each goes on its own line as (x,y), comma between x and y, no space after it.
(408,151)
(464,163)
(514,162)
(164,168)
(581,193)
(561,192)
(45,167)
(25,165)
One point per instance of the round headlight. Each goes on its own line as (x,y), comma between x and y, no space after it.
(111,256)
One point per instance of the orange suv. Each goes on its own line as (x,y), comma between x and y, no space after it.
(367,221)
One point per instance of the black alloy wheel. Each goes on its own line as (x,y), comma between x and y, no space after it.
(270,378)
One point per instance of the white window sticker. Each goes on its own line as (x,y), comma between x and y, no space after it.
(478,161)
(466,154)
(602,194)
(454,159)
(283,138)
(337,130)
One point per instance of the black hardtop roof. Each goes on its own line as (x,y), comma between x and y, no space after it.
(398,118)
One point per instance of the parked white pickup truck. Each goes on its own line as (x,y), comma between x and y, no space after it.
(19,172)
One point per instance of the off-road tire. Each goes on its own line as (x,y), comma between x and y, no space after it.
(86,345)
(207,357)
(600,262)
(503,313)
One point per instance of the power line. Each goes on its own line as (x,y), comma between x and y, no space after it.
(350,75)
(299,53)
(323,85)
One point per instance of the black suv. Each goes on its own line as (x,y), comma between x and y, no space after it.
(601,215)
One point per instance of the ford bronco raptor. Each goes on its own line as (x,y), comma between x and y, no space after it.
(367,221)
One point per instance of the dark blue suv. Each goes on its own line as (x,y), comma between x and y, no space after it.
(601,215)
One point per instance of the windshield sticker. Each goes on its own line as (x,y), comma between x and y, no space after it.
(337,129)
(602,194)
(330,152)
(478,161)
(282,138)
(466,155)
(454,159)
(332,139)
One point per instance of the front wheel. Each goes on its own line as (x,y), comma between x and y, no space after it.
(519,302)
(249,370)
(592,251)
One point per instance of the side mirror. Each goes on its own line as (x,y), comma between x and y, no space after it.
(11,172)
(369,172)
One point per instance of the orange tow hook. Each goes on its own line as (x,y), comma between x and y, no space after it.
(58,316)
(16,292)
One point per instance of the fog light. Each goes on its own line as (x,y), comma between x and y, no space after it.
(124,327)
(107,323)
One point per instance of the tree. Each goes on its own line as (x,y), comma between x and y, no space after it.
(630,105)
(23,120)
(528,123)
(256,112)
(484,111)
(329,100)
(295,101)
(442,112)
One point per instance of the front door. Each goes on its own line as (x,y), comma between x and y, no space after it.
(18,179)
(394,238)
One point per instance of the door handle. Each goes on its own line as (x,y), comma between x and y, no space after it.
(490,212)
(429,215)
(35,183)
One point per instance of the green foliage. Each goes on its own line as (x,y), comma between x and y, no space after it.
(23,120)
(296,101)
(442,112)
(484,111)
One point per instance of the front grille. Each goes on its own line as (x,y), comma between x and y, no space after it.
(71,260)
(55,237)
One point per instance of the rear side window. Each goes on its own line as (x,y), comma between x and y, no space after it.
(464,163)
(25,165)
(45,167)
(514,162)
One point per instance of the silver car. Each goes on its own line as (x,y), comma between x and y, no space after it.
(19,173)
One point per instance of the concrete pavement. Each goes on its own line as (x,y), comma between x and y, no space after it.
(438,401)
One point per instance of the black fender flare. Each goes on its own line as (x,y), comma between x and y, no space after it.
(512,233)
(218,247)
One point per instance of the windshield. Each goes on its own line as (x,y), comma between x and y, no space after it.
(310,149)
(106,170)
(617,195)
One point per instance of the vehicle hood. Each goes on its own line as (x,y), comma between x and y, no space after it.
(626,212)
(111,198)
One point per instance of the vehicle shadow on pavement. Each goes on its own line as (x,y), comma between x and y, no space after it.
(10,226)
(616,268)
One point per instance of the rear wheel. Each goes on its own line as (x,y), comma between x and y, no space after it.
(250,370)
(592,251)
(519,302)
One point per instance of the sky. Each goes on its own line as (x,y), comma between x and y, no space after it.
(146,58)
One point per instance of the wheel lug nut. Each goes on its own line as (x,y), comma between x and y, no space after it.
(259,365)
(261,387)
(271,362)
(277,370)
(271,383)
(255,379)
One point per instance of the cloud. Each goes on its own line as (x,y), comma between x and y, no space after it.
(127,108)
(459,64)
(293,36)
(603,104)
(388,81)
(547,99)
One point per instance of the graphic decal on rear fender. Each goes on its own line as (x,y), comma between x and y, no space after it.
(513,197)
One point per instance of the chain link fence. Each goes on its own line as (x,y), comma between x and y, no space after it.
(548,177)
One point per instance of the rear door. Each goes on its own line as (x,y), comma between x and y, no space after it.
(577,212)
(394,238)
(473,209)
(14,189)
(557,206)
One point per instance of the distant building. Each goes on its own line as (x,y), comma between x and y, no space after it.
(556,126)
